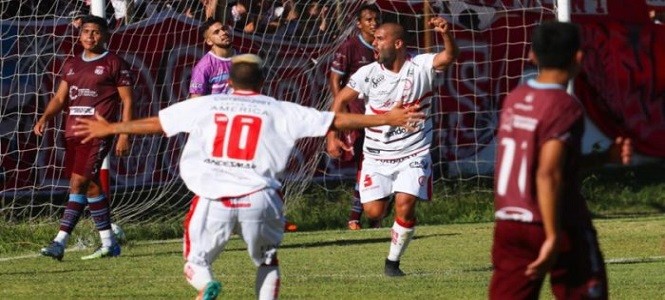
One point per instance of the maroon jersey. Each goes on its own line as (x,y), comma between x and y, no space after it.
(354,53)
(531,115)
(93,87)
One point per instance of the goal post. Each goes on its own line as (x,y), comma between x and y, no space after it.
(163,44)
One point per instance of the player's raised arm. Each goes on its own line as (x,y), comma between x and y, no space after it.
(450,51)
(90,129)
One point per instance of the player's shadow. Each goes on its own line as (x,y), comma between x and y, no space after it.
(350,241)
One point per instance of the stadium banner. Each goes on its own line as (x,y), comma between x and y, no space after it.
(622,85)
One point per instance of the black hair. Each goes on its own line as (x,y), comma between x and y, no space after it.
(370,7)
(103,25)
(207,24)
(246,75)
(555,44)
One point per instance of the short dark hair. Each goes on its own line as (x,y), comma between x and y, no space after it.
(207,24)
(370,7)
(246,72)
(395,30)
(555,44)
(103,25)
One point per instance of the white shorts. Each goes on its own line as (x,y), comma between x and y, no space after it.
(209,224)
(410,175)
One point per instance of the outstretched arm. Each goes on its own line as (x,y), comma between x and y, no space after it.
(398,116)
(449,54)
(90,128)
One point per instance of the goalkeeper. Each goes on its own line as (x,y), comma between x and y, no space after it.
(238,146)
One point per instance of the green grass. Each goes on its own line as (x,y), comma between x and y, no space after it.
(443,262)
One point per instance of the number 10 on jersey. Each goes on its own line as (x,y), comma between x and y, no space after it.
(243,136)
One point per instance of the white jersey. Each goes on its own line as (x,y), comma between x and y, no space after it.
(381,89)
(239,143)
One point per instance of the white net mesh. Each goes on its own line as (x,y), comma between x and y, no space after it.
(161,42)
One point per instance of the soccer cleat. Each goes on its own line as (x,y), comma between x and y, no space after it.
(392,269)
(101,252)
(354,225)
(55,250)
(211,291)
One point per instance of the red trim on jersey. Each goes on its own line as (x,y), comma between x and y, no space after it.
(415,102)
(186,240)
(405,224)
(244,93)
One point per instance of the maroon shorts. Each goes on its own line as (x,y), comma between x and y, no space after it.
(85,159)
(579,272)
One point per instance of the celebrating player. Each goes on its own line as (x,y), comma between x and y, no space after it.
(94,83)
(542,222)
(354,53)
(395,160)
(211,73)
(238,146)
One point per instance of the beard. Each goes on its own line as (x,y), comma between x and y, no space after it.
(385,58)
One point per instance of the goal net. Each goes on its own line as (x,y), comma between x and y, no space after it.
(160,40)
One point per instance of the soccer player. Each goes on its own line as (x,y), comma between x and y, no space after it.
(542,222)
(211,73)
(238,146)
(395,161)
(96,82)
(354,53)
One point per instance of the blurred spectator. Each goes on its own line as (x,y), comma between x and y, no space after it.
(236,15)
(264,17)
(469,19)
(289,22)
(199,9)
(658,17)
(314,24)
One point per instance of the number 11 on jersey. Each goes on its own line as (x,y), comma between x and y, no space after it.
(507,161)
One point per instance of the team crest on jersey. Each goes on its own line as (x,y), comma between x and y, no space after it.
(99,70)
(368,181)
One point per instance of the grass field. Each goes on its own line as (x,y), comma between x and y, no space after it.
(443,262)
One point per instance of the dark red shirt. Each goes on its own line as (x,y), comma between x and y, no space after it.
(354,53)
(533,114)
(93,87)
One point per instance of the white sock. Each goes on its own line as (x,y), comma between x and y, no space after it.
(401,238)
(62,238)
(108,238)
(267,282)
(198,276)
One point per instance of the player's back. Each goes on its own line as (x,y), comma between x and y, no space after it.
(240,141)
(533,114)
